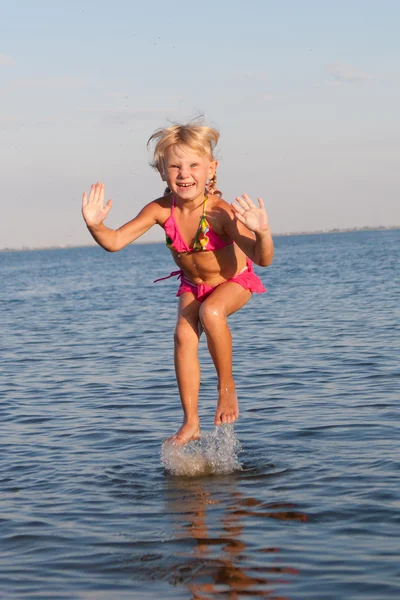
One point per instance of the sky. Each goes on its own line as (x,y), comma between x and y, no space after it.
(306,97)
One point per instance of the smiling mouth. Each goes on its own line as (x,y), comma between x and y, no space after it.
(185,185)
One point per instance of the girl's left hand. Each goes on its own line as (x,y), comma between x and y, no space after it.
(250,215)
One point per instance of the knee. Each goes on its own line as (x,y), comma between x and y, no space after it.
(211,316)
(185,334)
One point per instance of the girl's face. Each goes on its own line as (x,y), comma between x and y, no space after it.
(187,172)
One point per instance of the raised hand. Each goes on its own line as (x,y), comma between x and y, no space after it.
(253,217)
(93,210)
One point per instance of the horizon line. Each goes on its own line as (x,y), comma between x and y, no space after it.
(286,234)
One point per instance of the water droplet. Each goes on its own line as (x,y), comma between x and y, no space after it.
(215,453)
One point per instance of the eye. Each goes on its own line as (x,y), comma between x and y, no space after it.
(194,165)
(173,167)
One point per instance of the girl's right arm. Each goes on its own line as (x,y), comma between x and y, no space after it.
(94,212)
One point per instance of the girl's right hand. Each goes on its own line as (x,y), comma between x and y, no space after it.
(93,210)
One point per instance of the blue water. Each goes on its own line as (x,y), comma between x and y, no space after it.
(311,509)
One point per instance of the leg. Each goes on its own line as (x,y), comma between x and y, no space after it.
(187,367)
(225,300)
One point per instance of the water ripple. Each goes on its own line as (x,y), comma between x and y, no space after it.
(299,500)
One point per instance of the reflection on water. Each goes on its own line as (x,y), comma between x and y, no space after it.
(307,510)
(219,564)
(221,561)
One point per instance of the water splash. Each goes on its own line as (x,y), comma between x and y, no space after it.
(214,453)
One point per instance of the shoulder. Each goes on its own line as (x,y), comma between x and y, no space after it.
(159,209)
(218,204)
(220,209)
(220,215)
(224,216)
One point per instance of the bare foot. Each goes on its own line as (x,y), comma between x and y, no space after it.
(227,407)
(187,433)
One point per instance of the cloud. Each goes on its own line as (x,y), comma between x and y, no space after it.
(55,83)
(253,75)
(345,74)
(16,123)
(117,95)
(109,116)
(10,122)
(6,61)
(255,99)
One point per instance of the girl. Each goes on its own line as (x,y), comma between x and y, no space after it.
(213,244)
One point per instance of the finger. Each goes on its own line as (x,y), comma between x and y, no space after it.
(243,202)
(249,201)
(91,193)
(261,203)
(101,195)
(84,200)
(97,190)
(243,205)
(240,218)
(108,207)
(237,209)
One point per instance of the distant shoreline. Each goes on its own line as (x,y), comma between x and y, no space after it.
(316,232)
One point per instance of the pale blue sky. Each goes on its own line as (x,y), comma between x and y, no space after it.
(305,95)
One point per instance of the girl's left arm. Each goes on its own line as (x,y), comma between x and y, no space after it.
(248,226)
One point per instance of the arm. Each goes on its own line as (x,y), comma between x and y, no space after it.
(94,212)
(248,226)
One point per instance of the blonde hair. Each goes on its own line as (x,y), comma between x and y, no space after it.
(199,138)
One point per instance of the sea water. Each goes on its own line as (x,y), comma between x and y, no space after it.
(216,453)
(299,499)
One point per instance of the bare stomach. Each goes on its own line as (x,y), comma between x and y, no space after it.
(211,267)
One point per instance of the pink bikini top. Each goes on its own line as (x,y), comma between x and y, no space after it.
(206,238)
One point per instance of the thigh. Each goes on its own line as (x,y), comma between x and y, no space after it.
(226,299)
(188,312)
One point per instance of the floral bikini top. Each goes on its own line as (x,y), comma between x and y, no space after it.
(206,238)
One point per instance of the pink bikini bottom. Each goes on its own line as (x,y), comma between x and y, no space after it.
(247,279)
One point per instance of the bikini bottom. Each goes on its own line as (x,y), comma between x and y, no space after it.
(246,278)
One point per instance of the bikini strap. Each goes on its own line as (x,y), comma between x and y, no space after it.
(178,274)
(202,239)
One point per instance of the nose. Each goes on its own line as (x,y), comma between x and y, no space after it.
(184,172)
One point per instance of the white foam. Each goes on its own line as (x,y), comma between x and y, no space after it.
(214,453)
